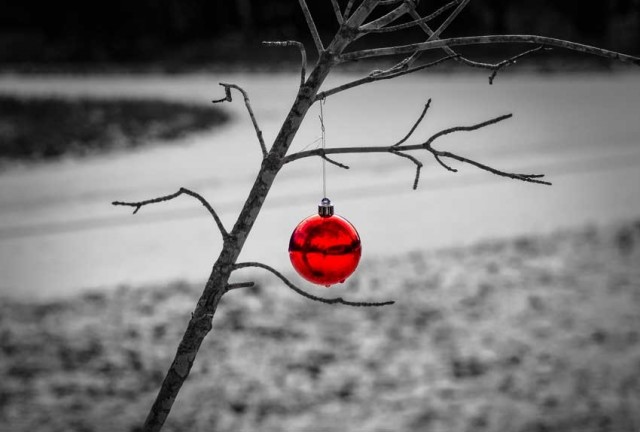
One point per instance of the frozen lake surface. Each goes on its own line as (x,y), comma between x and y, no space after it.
(59,233)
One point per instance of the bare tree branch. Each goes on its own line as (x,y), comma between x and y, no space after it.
(239,285)
(336,300)
(417,21)
(312,26)
(433,35)
(416,55)
(490,39)
(407,136)
(227,98)
(380,75)
(412,159)
(303,54)
(427,145)
(494,67)
(465,128)
(531,178)
(336,10)
(438,155)
(138,205)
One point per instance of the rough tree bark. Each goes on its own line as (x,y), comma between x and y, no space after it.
(352,27)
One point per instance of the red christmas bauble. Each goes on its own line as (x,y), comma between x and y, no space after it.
(325,248)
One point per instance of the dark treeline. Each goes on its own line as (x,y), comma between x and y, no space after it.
(209,31)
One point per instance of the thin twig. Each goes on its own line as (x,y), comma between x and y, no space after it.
(227,98)
(531,178)
(303,54)
(465,128)
(489,39)
(336,300)
(380,75)
(331,161)
(511,60)
(444,165)
(418,164)
(407,136)
(312,26)
(138,205)
(336,10)
(347,10)
(416,22)
(239,285)
(427,145)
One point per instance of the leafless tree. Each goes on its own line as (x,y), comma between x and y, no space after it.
(352,19)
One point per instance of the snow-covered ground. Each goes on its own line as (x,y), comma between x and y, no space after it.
(59,234)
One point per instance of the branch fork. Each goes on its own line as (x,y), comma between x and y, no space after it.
(401,149)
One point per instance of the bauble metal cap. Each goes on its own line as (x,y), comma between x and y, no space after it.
(325,208)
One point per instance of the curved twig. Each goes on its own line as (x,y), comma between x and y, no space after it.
(139,204)
(227,98)
(489,39)
(303,54)
(476,126)
(336,300)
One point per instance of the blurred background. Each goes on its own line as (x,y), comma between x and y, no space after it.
(517,305)
(173,35)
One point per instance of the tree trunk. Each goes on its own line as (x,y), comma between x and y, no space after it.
(201,320)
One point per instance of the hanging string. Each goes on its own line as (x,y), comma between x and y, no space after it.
(324,162)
